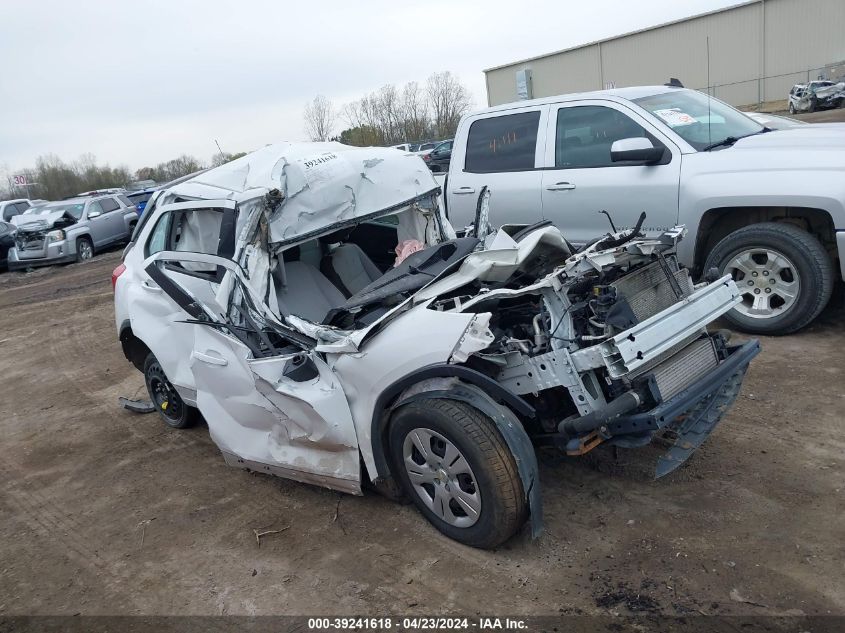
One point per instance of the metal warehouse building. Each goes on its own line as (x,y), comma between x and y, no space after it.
(758,51)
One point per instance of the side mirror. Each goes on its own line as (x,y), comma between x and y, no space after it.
(94,214)
(637,149)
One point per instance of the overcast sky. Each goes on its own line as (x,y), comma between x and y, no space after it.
(137,83)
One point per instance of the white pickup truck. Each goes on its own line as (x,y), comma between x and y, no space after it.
(767,207)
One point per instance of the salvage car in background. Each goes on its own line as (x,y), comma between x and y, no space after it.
(11,208)
(438,159)
(7,240)
(140,198)
(816,95)
(248,294)
(70,230)
(766,207)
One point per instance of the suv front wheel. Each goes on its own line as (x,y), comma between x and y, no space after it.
(784,274)
(457,468)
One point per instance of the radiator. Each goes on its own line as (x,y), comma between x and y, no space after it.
(649,291)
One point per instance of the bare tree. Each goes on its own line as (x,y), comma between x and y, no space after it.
(390,116)
(448,100)
(319,118)
(414,113)
(222,158)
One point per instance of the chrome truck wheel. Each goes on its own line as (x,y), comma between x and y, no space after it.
(768,281)
(783,272)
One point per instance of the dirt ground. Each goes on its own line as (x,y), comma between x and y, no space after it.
(823,116)
(107,512)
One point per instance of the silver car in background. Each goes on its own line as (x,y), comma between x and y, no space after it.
(70,230)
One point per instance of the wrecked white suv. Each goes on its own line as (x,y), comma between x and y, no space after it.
(314,304)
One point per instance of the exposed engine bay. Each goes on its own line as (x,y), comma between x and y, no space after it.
(34,229)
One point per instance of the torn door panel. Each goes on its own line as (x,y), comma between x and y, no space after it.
(272,415)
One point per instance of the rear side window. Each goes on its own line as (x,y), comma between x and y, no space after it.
(158,236)
(109,204)
(503,143)
(189,230)
(125,201)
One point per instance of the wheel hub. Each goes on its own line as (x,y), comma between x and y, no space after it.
(767,280)
(441,477)
(164,396)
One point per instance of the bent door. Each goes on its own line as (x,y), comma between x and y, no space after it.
(286,415)
(279,410)
(157,319)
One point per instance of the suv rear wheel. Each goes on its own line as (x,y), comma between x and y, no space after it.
(784,274)
(167,401)
(458,470)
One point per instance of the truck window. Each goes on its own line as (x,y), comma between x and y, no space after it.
(585,134)
(503,143)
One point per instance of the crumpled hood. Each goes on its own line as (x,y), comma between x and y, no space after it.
(30,222)
(323,183)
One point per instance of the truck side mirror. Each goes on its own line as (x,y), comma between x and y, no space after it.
(637,149)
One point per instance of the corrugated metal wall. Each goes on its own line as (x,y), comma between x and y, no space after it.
(801,35)
(779,39)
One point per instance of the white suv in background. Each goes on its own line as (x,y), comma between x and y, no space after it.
(11,208)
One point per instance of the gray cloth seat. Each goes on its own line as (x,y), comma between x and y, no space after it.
(350,266)
(305,292)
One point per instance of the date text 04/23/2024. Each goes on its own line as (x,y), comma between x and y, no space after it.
(420,623)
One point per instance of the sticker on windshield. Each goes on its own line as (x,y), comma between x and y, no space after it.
(674,117)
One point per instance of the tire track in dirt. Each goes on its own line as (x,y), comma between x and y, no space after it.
(60,529)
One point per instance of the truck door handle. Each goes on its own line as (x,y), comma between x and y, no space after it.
(150,287)
(463,190)
(561,186)
(211,360)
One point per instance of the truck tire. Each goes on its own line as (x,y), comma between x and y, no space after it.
(458,470)
(783,272)
(170,406)
(84,249)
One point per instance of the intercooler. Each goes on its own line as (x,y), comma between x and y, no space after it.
(683,368)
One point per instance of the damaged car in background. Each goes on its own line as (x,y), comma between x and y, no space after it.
(70,230)
(314,305)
